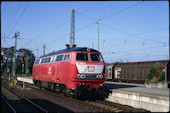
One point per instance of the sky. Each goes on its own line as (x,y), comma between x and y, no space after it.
(130,31)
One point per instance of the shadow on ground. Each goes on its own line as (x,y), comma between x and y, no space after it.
(118,86)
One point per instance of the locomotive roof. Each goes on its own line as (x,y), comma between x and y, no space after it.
(69,50)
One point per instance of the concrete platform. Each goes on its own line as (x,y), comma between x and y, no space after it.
(25,79)
(138,96)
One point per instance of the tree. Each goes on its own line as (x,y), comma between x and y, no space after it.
(7,59)
(25,56)
(22,52)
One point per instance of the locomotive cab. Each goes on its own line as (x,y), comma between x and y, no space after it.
(90,78)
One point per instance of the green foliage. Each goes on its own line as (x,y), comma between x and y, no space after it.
(157,64)
(152,71)
(155,80)
(151,74)
(156,74)
(162,77)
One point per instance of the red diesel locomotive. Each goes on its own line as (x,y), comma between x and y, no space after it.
(75,71)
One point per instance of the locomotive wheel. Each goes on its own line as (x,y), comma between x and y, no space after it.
(103,92)
(58,89)
(39,84)
(35,82)
(80,92)
(66,92)
(77,94)
(52,87)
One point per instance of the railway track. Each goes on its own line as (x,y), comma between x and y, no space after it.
(6,106)
(19,103)
(102,106)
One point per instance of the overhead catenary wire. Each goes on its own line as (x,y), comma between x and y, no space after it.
(90,7)
(20,38)
(69,34)
(120,11)
(59,27)
(120,30)
(27,43)
(12,19)
(144,48)
(108,54)
(19,18)
(68,20)
(131,34)
(101,10)
(6,42)
(117,39)
(111,14)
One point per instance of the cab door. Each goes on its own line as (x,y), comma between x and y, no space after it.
(58,71)
(58,68)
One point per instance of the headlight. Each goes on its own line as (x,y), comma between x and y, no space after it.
(78,76)
(99,76)
(81,76)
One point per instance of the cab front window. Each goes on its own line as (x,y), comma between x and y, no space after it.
(82,56)
(96,57)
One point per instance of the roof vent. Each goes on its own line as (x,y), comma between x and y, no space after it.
(74,45)
(67,46)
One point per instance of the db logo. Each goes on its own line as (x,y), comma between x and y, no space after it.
(91,68)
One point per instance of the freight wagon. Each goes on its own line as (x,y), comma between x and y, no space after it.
(134,72)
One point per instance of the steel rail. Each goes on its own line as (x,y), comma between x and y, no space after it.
(27,100)
(8,103)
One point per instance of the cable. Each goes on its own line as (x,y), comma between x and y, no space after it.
(19,18)
(58,27)
(65,22)
(90,7)
(5,40)
(101,10)
(85,15)
(13,16)
(118,29)
(27,43)
(69,34)
(131,34)
(111,14)
(121,10)
(20,38)
(121,52)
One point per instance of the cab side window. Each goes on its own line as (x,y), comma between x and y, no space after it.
(48,60)
(59,58)
(37,62)
(42,61)
(67,57)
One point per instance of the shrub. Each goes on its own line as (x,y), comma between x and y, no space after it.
(149,76)
(162,77)
(155,79)
(156,74)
